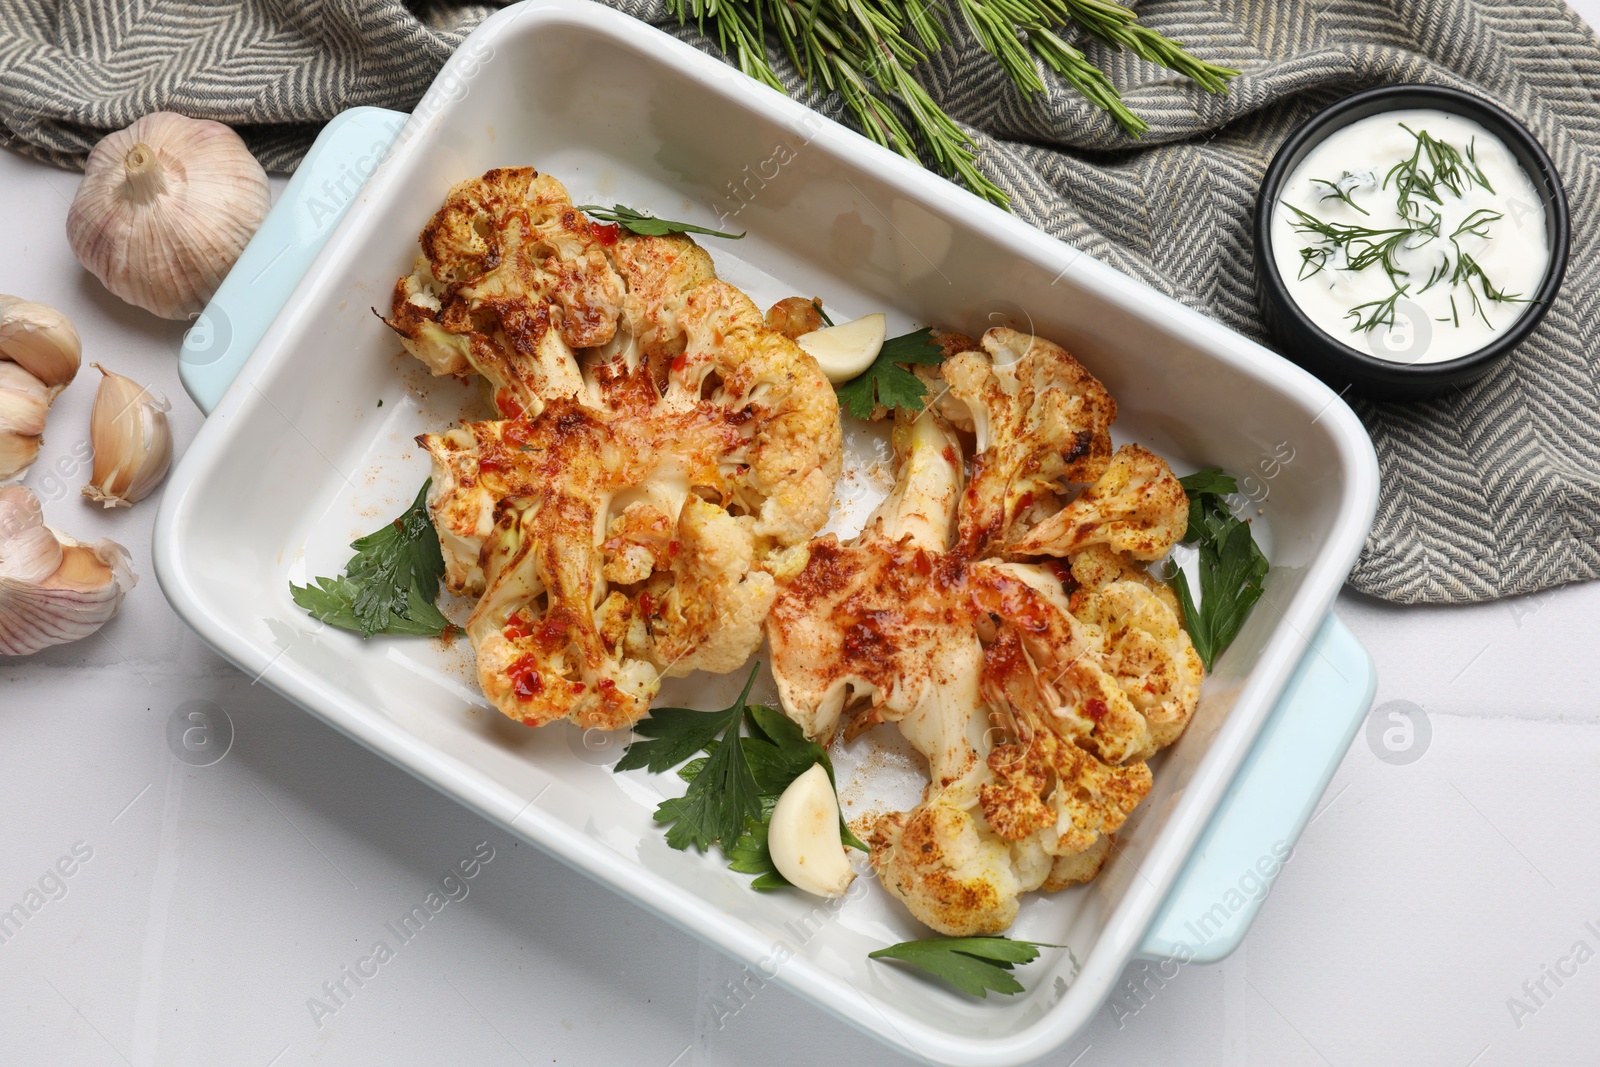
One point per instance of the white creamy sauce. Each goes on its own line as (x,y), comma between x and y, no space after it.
(1483,235)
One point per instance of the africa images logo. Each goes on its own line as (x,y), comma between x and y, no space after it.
(452,888)
(1398,732)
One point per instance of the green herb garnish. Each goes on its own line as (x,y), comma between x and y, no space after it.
(1340,191)
(389,585)
(1433,163)
(870,52)
(751,854)
(973,965)
(1232,567)
(733,787)
(648,225)
(1378,312)
(888,383)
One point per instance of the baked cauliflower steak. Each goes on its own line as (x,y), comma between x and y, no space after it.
(1035,688)
(665,459)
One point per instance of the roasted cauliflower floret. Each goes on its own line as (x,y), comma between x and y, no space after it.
(950,869)
(1137,506)
(1040,420)
(1147,652)
(512,281)
(794,454)
(710,618)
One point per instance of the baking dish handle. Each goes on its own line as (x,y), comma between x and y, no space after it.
(1253,831)
(344,155)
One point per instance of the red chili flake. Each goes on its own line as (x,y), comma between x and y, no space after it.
(508,405)
(577,687)
(950,455)
(605,232)
(1097,709)
(680,361)
(673,548)
(647,604)
(605,685)
(516,628)
(491,462)
(1025,502)
(526,681)
(516,434)
(1060,568)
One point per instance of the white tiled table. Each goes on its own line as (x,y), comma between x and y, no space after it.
(216,901)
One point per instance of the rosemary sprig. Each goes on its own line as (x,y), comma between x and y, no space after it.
(867,51)
(647,225)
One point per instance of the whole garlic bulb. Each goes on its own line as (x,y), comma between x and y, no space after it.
(39,353)
(164,210)
(132,441)
(53,589)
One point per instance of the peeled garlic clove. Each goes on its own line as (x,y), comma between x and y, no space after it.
(848,349)
(39,339)
(132,441)
(804,836)
(53,589)
(164,210)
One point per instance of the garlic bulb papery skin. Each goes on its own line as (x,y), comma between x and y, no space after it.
(53,589)
(132,441)
(164,210)
(40,340)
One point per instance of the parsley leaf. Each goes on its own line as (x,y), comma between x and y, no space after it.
(723,795)
(781,754)
(886,382)
(735,785)
(648,225)
(1205,490)
(751,853)
(972,964)
(389,585)
(1232,566)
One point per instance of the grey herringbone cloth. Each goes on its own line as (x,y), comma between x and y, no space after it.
(1489,491)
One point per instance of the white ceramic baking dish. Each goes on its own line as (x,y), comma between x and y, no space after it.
(298,457)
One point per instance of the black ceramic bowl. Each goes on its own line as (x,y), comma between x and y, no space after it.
(1338,363)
